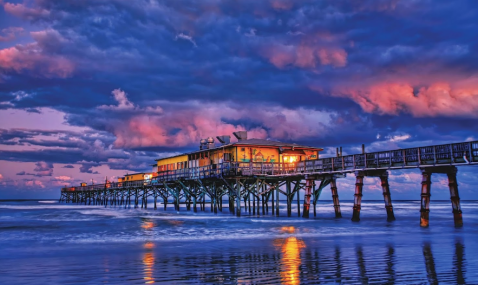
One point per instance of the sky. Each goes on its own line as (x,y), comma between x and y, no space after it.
(95,88)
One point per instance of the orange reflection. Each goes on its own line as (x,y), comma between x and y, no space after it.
(148,262)
(147,225)
(290,248)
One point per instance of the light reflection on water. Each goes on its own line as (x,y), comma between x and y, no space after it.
(290,248)
(148,261)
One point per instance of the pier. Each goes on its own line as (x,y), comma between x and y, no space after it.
(254,187)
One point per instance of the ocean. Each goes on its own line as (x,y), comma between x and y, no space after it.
(44,242)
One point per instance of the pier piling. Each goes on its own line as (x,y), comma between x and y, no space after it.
(308,192)
(455,198)
(335,197)
(358,196)
(386,196)
(425,198)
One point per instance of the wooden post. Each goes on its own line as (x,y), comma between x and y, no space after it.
(249,202)
(308,193)
(238,198)
(277,201)
(271,195)
(335,197)
(298,202)
(425,197)
(195,209)
(455,198)
(289,200)
(215,197)
(386,196)
(358,196)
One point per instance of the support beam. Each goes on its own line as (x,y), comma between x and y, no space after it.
(238,198)
(455,197)
(308,192)
(386,196)
(425,197)
(277,200)
(358,196)
(335,197)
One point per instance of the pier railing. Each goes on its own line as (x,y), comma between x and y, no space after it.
(465,153)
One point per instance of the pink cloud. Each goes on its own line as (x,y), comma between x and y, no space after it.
(335,57)
(34,183)
(63,178)
(23,58)
(186,123)
(24,12)
(436,99)
(1,176)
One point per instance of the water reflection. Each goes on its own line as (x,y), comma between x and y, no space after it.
(290,260)
(148,257)
(361,265)
(459,262)
(148,262)
(390,258)
(430,264)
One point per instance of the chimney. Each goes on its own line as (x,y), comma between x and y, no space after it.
(210,142)
(224,139)
(242,135)
(202,144)
(363,148)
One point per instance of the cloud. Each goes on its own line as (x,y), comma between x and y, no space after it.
(87,165)
(304,56)
(1,176)
(27,13)
(30,59)
(125,105)
(68,166)
(21,173)
(63,178)
(43,168)
(186,37)
(10,33)
(438,99)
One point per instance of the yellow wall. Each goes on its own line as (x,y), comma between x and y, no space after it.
(134,177)
(171,163)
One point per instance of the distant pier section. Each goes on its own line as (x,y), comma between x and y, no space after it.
(252,173)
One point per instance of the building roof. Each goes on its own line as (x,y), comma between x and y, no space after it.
(254,142)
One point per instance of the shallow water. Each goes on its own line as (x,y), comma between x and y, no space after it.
(44,242)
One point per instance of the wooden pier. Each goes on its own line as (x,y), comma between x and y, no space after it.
(255,187)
